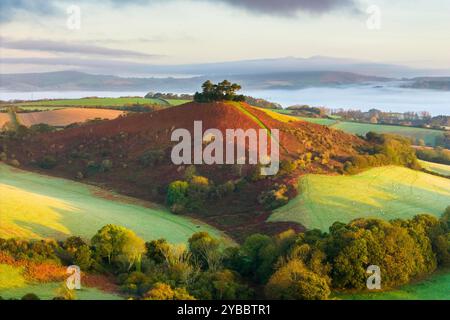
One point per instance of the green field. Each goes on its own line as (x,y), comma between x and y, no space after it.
(387,192)
(322,121)
(34,108)
(47,291)
(100,102)
(437,287)
(436,167)
(38,206)
(428,135)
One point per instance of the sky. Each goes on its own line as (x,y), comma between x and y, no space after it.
(49,35)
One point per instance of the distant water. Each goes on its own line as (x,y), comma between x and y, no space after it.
(386,98)
(38,95)
(363,97)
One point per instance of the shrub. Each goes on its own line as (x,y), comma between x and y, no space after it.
(14,163)
(294,281)
(106,165)
(48,162)
(274,198)
(151,158)
(162,291)
(30,296)
(177,193)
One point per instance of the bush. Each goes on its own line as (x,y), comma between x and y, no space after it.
(151,158)
(294,281)
(177,193)
(162,291)
(30,296)
(48,162)
(274,198)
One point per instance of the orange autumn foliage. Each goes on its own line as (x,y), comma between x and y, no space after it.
(34,271)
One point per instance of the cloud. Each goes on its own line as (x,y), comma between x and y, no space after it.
(109,66)
(8,8)
(270,7)
(291,7)
(72,47)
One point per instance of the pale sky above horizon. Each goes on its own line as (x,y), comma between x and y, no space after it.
(34,36)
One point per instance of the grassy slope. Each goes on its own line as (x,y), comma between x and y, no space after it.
(386,192)
(436,167)
(434,288)
(37,206)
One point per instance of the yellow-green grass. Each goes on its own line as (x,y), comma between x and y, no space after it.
(38,206)
(47,291)
(321,121)
(11,277)
(428,135)
(387,192)
(33,108)
(436,287)
(279,115)
(101,102)
(442,169)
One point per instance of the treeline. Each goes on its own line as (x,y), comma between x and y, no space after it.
(383,149)
(307,111)
(291,265)
(438,155)
(415,119)
(170,96)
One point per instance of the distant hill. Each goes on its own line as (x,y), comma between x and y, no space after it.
(433,83)
(79,81)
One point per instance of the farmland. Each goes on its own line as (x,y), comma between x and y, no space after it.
(432,288)
(62,117)
(386,192)
(100,102)
(37,206)
(13,285)
(429,136)
(436,167)
(47,291)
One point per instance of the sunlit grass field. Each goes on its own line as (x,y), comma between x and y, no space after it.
(11,277)
(47,291)
(428,135)
(437,287)
(436,167)
(101,102)
(387,192)
(38,206)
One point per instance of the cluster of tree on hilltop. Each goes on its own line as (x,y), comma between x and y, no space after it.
(257,102)
(223,91)
(290,265)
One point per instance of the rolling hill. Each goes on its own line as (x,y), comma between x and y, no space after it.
(35,206)
(385,192)
(80,152)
